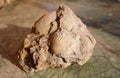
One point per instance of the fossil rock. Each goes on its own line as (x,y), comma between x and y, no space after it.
(58,39)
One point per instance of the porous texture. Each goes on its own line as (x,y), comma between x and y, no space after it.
(58,39)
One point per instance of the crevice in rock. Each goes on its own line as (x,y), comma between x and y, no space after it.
(58,17)
(28,60)
(51,26)
(64,60)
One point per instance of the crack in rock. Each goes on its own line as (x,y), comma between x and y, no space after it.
(58,39)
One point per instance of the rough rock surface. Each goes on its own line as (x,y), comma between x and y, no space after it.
(4,2)
(58,39)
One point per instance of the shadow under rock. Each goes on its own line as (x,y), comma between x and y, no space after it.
(11,39)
